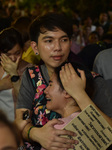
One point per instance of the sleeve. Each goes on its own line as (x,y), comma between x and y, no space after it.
(102,96)
(26,93)
(97,64)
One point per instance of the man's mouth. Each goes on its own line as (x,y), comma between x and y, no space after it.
(57,57)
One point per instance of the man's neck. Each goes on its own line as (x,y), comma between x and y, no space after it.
(50,70)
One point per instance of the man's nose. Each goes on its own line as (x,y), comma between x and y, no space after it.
(57,46)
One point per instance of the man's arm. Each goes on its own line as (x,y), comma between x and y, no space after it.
(47,135)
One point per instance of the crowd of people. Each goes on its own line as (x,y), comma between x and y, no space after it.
(52,67)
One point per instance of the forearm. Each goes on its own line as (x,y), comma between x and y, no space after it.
(31,134)
(2,86)
(16,86)
(83,101)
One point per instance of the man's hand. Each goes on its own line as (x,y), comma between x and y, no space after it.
(50,138)
(9,66)
(19,119)
(5,83)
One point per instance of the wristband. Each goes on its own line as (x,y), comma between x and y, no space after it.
(15,78)
(29,132)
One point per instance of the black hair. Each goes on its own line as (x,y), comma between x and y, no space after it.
(94,32)
(13,128)
(50,21)
(22,25)
(89,78)
(9,37)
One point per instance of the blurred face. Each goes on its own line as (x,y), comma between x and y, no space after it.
(75,28)
(7,139)
(103,17)
(55,96)
(53,47)
(93,38)
(88,21)
(14,53)
(100,30)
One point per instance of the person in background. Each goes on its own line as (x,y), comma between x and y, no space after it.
(77,39)
(103,21)
(100,31)
(89,23)
(102,65)
(93,37)
(11,69)
(10,137)
(22,25)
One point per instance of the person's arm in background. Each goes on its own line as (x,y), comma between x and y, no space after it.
(5,83)
(47,136)
(75,86)
(11,68)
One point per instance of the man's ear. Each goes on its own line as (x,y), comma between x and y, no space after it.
(66,95)
(34,47)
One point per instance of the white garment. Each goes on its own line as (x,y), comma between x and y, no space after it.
(7,102)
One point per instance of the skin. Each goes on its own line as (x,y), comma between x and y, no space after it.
(9,63)
(10,60)
(59,100)
(53,46)
(7,139)
(56,96)
(75,86)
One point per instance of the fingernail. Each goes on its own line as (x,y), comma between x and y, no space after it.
(72,146)
(75,134)
(76,142)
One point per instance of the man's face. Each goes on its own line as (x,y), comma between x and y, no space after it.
(103,17)
(55,95)
(14,53)
(53,47)
(7,139)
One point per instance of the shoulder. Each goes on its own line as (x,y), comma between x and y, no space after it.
(106,52)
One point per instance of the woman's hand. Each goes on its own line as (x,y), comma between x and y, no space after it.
(9,66)
(72,83)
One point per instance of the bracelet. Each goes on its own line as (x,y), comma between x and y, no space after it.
(29,132)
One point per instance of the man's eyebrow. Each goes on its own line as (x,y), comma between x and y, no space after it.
(47,37)
(50,81)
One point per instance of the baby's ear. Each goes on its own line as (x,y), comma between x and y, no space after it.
(34,47)
(66,95)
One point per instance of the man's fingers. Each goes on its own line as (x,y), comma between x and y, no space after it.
(66,132)
(54,121)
